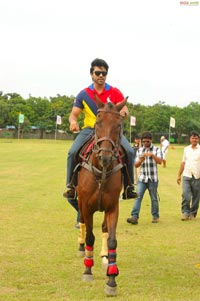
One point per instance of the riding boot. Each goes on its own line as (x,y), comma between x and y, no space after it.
(70,192)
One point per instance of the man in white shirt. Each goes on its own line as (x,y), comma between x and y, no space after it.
(190,168)
(164,144)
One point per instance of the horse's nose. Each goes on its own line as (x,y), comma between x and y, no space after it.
(105,160)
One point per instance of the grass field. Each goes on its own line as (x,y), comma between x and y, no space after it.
(38,240)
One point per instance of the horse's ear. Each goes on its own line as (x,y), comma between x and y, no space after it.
(98,101)
(122,104)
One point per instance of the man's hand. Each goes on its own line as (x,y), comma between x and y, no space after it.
(178,180)
(123,113)
(148,154)
(74,126)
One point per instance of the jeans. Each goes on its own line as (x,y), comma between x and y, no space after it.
(141,188)
(190,193)
(81,139)
(74,204)
(130,154)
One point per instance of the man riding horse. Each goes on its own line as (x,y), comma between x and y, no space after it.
(85,101)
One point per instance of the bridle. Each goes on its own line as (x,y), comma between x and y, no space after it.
(97,149)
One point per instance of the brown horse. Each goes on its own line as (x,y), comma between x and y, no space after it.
(99,187)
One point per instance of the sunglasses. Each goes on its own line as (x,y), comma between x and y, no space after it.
(97,73)
(146,141)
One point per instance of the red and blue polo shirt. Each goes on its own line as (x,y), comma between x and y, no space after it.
(85,101)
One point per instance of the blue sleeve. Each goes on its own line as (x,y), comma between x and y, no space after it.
(78,101)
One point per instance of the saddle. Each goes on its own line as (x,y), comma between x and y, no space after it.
(86,149)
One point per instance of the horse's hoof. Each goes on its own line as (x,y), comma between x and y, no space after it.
(87,277)
(111,291)
(81,253)
(104,263)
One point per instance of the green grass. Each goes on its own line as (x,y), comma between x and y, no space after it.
(38,241)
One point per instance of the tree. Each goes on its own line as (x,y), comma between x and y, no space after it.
(42,112)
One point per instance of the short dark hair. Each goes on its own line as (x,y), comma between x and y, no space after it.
(98,63)
(147,135)
(194,133)
(137,136)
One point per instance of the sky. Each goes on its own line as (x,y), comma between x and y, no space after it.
(152,48)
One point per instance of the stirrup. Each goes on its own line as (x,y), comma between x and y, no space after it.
(129,193)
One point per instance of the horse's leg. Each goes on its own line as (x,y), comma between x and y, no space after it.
(104,247)
(88,261)
(112,271)
(81,240)
(81,237)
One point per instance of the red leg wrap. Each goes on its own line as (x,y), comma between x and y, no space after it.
(88,248)
(88,262)
(112,270)
(112,266)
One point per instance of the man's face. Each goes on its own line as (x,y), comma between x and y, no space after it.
(99,75)
(137,140)
(146,142)
(194,140)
